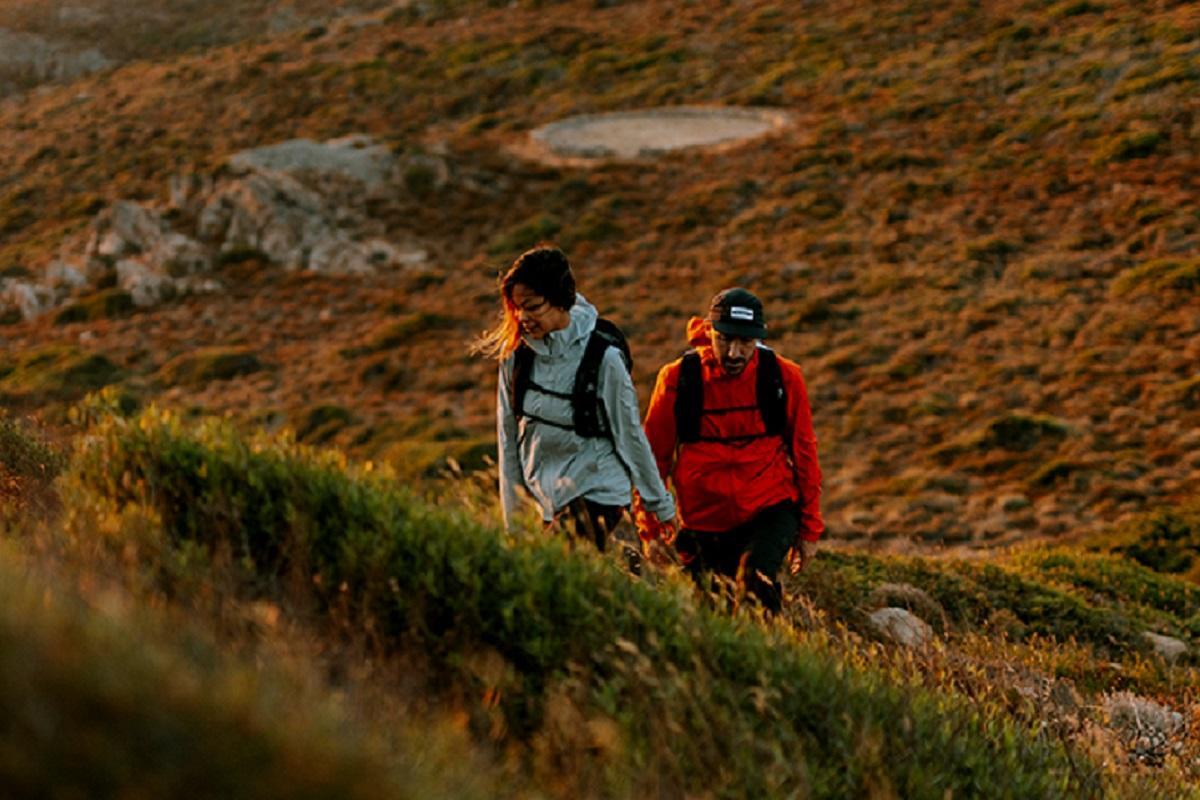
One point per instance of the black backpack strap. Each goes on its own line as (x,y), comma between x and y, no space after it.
(689,398)
(522,376)
(608,330)
(589,418)
(772,400)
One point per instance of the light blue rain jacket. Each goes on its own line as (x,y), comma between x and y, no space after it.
(556,465)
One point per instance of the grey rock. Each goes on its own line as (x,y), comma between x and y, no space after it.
(357,157)
(29,299)
(146,287)
(1168,647)
(901,626)
(125,228)
(65,276)
(45,60)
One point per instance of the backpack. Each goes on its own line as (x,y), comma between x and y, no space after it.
(588,416)
(689,400)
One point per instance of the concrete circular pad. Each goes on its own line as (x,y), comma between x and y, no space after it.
(648,132)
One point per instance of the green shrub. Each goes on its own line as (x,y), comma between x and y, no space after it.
(26,455)
(1167,541)
(1131,146)
(210,364)
(57,373)
(106,304)
(1160,275)
(525,235)
(321,423)
(1010,432)
(400,331)
(702,702)
(970,593)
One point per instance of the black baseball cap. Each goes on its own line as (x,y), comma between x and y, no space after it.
(738,312)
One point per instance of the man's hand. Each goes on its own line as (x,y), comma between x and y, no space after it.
(660,554)
(801,553)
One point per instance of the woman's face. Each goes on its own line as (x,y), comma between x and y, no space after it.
(536,316)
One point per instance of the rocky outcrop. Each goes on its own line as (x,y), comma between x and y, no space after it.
(29,58)
(356,157)
(299,205)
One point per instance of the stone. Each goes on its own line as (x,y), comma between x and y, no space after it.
(358,157)
(1168,648)
(46,60)
(31,300)
(901,626)
(178,256)
(145,286)
(125,228)
(65,276)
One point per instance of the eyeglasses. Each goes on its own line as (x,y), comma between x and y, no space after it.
(535,309)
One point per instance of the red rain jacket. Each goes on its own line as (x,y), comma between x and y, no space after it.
(720,485)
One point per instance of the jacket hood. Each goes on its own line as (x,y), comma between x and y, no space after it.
(583,321)
(698,338)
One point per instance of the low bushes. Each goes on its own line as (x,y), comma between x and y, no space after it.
(93,706)
(661,697)
(201,366)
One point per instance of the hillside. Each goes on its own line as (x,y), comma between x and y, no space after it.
(978,239)
(551,668)
(249,466)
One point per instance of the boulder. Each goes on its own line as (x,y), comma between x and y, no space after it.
(125,228)
(146,286)
(65,276)
(29,299)
(272,214)
(178,256)
(901,626)
(357,157)
(1168,648)
(46,60)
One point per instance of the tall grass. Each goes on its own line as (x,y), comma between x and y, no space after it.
(115,705)
(635,688)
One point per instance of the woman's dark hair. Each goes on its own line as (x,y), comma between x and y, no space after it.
(546,271)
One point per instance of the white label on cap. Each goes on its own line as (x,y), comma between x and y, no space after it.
(741,312)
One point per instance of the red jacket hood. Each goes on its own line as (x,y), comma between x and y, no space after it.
(698,336)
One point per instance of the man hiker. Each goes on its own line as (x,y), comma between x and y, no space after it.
(730,426)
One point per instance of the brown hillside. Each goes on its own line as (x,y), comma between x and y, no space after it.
(981,239)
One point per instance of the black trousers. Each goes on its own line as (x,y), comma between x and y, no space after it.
(585,519)
(747,557)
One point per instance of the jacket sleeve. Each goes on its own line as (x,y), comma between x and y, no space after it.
(620,403)
(660,419)
(507,446)
(804,453)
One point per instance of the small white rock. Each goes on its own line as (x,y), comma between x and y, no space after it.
(902,626)
(1168,647)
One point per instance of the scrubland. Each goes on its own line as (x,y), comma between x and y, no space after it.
(250,545)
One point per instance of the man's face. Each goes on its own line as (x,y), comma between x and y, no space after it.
(733,352)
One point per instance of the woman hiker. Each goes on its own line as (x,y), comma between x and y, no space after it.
(567,416)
